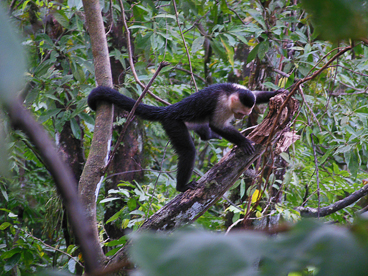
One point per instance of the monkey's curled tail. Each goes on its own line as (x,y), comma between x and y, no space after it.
(102,93)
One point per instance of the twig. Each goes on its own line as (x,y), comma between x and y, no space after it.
(130,55)
(187,71)
(131,114)
(54,248)
(346,68)
(359,91)
(140,170)
(317,173)
(310,109)
(195,23)
(185,45)
(158,176)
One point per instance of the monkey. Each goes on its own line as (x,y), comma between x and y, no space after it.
(208,111)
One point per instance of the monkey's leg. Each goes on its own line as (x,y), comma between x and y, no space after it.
(184,147)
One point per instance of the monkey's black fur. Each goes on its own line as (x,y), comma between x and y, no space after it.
(210,109)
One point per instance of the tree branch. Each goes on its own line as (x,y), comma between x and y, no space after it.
(64,180)
(328,210)
(185,45)
(89,181)
(130,57)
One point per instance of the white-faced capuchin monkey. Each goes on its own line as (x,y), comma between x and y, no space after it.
(208,111)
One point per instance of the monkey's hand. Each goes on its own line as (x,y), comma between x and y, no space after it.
(282,90)
(247,146)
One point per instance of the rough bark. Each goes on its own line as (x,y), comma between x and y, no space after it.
(91,174)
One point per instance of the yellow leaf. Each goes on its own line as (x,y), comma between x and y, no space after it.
(229,51)
(255,196)
(282,82)
(125,223)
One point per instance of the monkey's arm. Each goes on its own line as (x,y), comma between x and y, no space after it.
(235,137)
(265,96)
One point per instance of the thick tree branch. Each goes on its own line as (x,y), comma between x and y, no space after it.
(328,210)
(64,180)
(89,182)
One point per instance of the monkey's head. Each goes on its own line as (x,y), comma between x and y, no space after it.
(242,103)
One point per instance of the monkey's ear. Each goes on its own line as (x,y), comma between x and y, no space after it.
(234,98)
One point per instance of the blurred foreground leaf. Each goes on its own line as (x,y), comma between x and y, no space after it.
(12,61)
(328,249)
(339,19)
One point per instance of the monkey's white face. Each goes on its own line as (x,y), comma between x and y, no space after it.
(238,108)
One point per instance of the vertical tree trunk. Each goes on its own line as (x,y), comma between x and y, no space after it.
(91,175)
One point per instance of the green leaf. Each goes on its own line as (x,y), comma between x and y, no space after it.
(327,155)
(263,48)
(109,199)
(87,118)
(197,44)
(252,55)
(61,17)
(229,52)
(115,216)
(165,15)
(78,73)
(11,262)
(75,128)
(143,42)
(78,4)
(5,225)
(353,161)
(10,253)
(258,17)
(218,48)
(120,241)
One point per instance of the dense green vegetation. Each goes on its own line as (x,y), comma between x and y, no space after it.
(259,44)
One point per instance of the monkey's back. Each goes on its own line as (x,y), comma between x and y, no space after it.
(199,106)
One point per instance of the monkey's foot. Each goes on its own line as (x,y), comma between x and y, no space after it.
(190,186)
